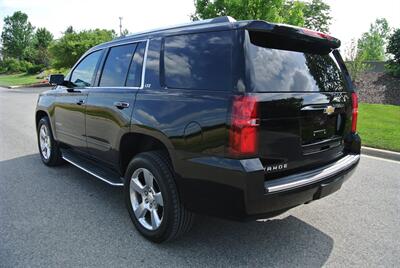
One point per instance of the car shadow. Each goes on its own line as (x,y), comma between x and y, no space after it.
(84,214)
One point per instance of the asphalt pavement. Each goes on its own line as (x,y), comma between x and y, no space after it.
(52,217)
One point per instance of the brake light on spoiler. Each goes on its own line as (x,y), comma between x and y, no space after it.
(317,34)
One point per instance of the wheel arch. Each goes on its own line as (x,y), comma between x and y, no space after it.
(133,143)
(39,115)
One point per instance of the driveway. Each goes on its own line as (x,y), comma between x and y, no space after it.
(65,217)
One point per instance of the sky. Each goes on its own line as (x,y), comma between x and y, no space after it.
(350,17)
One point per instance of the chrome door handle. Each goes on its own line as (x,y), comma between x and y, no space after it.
(121,104)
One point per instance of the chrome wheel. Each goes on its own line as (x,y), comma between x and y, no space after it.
(44,141)
(146,199)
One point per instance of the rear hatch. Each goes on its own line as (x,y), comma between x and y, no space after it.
(303,95)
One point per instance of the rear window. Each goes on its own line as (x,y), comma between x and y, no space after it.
(272,69)
(198,61)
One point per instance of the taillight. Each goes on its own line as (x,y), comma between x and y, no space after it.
(243,134)
(354,100)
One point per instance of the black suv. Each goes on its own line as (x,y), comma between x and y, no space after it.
(235,119)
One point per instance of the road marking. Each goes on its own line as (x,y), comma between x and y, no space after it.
(380,158)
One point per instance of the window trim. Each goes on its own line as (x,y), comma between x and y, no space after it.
(103,61)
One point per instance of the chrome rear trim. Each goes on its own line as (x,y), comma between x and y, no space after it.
(119,184)
(312,176)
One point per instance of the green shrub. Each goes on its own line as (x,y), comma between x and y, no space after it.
(12,65)
(35,69)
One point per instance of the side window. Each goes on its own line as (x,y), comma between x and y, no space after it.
(198,61)
(116,66)
(135,70)
(82,75)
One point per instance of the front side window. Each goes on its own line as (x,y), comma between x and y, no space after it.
(198,61)
(116,66)
(82,76)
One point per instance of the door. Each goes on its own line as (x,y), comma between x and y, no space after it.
(110,104)
(69,112)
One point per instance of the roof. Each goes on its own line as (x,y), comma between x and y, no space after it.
(219,23)
(225,23)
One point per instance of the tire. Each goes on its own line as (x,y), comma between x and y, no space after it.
(51,156)
(175,220)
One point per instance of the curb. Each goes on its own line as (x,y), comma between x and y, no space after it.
(381,153)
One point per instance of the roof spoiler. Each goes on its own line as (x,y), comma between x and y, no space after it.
(298,33)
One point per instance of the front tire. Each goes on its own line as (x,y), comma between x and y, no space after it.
(48,147)
(152,198)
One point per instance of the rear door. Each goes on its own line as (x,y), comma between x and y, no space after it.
(110,104)
(304,102)
(70,105)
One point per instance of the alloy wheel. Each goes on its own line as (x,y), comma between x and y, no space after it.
(44,141)
(146,199)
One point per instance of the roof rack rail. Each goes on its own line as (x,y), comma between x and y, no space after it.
(222,19)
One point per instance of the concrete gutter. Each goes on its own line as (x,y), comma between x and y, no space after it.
(380,153)
(27,86)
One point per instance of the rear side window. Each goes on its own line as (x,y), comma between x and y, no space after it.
(116,66)
(275,69)
(135,70)
(198,61)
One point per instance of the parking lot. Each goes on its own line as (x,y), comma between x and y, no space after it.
(65,217)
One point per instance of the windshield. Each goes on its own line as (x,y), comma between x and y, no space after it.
(273,69)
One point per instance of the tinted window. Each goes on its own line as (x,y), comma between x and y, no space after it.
(272,69)
(198,61)
(153,63)
(82,75)
(116,66)
(135,70)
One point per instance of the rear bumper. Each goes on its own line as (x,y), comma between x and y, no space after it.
(287,192)
(312,176)
(236,189)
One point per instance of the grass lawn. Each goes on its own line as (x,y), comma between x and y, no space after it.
(379,126)
(18,79)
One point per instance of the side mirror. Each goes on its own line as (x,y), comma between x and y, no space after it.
(56,79)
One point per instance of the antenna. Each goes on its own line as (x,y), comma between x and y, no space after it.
(120,26)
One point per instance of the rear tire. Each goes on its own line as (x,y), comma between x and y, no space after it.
(150,192)
(48,148)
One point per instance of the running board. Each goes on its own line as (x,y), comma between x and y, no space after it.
(112,178)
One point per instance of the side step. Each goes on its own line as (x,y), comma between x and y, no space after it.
(110,177)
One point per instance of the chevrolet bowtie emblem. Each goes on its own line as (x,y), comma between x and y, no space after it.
(329,110)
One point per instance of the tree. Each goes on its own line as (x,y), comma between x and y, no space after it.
(69,48)
(282,11)
(355,61)
(43,38)
(69,30)
(16,36)
(372,43)
(41,43)
(393,48)
(125,32)
(317,16)
(314,15)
